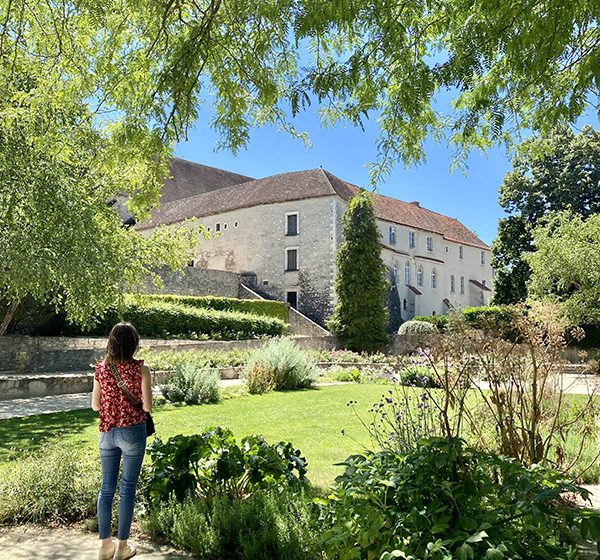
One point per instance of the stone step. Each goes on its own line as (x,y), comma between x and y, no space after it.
(42,385)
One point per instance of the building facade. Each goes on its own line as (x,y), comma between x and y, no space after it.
(282,234)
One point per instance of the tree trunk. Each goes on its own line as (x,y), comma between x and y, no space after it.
(8,316)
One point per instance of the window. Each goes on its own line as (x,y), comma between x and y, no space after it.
(292,298)
(407,273)
(395,274)
(291,259)
(460,252)
(420,276)
(452,284)
(462,284)
(430,244)
(291,223)
(235,224)
(447,249)
(224,226)
(218,226)
(412,240)
(392,235)
(482,257)
(208,228)
(434,279)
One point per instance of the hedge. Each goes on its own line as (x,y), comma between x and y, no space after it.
(267,308)
(487,317)
(417,327)
(162,319)
(440,321)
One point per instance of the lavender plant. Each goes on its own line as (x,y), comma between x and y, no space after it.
(402,417)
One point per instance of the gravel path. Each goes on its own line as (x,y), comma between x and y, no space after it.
(32,542)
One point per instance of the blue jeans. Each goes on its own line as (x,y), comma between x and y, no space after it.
(130,443)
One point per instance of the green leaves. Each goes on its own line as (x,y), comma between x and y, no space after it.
(360,315)
(553,173)
(480,505)
(212,463)
(566,265)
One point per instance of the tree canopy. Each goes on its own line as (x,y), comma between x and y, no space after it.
(60,241)
(565,266)
(508,66)
(360,316)
(560,172)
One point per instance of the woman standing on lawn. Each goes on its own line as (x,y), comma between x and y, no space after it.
(122,434)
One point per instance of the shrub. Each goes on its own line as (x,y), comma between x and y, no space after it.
(192,385)
(266,526)
(162,319)
(56,485)
(287,365)
(165,360)
(267,308)
(212,463)
(417,327)
(444,500)
(344,374)
(259,379)
(440,321)
(488,318)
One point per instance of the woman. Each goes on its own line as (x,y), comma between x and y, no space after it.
(122,434)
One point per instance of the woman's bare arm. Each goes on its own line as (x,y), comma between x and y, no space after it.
(146,388)
(96,395)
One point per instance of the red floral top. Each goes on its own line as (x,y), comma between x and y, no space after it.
(115,409)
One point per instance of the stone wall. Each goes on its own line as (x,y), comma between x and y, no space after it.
(254,241)
(197,282)
(47,355)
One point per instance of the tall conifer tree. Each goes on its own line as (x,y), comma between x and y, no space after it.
(360,316)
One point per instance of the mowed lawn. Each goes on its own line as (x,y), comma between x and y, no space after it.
(318,421)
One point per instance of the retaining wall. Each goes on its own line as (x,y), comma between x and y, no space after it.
(197,282)
(39,355)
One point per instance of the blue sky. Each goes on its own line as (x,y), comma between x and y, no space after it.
(345,151)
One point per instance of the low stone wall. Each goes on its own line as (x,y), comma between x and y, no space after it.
(47,355)
(27,386)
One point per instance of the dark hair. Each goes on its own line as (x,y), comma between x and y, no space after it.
(123,342)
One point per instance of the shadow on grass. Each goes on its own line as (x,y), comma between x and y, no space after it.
(21,436)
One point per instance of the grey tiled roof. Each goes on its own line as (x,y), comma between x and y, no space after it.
(295,185)
(190,179)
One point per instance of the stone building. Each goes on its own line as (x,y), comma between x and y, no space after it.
(281,233)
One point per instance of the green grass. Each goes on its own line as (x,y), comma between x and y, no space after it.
(312,420)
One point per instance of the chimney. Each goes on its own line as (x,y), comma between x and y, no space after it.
(416,203)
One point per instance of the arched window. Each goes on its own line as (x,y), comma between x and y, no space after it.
(407,273)
(420,276)
(434,279)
